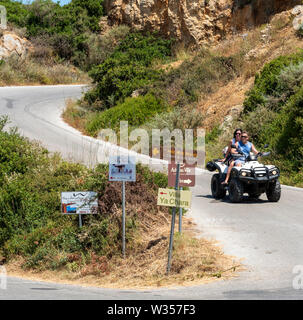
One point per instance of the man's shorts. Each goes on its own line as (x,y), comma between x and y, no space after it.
(239,161)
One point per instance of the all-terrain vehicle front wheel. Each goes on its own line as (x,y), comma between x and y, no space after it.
(236,190)
(254,195)
(217,189)
(273,191)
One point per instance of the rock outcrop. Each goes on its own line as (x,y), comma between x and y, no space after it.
(194,21)
(11,44)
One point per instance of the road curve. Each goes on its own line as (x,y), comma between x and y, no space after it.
(266,236)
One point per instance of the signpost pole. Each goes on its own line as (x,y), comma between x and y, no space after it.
(123,219)
(180,216)
(80,220)
(172,230)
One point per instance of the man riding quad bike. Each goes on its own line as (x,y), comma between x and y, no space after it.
(252,177)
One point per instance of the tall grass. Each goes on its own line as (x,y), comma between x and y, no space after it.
(23,71)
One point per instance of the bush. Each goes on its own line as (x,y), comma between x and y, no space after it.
(134,110)
(128,68)
(176,119)
(16,12)
(101,47)
(64,28)
(196,78)
(289,125)
(31,224)
(268,83)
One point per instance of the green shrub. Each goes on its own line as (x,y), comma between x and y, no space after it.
(268,83)
(154,179)
(134,110)
(16,12)
(101,47)
(31,223)
(64,28)
(289,125)
(128,68)
(196,78)
(178,118)
(213,134)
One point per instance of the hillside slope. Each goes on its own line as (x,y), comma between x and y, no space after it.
(195,21)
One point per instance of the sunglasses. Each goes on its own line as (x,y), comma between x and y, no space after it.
(244,137)
(238,134)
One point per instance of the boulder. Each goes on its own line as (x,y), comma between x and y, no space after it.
(11,44)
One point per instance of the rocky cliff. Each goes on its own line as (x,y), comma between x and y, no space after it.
(11,44)
(194,21)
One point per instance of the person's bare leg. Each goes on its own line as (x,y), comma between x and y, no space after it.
(229,172)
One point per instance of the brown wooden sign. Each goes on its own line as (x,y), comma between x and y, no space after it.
(187,175)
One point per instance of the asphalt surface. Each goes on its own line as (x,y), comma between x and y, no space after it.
(266,236)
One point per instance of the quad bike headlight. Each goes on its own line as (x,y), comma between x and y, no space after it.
(245,174)
(274,172)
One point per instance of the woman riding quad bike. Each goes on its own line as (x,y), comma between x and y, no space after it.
(252,177)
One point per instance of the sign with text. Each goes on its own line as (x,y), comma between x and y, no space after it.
(173,198)
(122,168)
(79,202)
(187,175)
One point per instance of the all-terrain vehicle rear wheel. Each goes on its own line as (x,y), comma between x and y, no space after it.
(235,191)
(217,189)
(273,191)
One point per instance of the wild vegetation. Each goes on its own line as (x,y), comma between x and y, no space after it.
(66,41)
(34,235)
(16,71)
(163,92)
(65,29)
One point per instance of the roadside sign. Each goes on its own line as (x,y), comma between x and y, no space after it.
(174,198)
(79,203)
(187,175)
(122,168)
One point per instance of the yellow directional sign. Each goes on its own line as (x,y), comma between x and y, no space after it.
(173,198)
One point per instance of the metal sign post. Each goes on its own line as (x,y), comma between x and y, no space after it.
(123,219)
(122,168)
(80,221)
(172,230)
(180,216)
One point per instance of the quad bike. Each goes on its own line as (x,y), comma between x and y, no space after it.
(253,178)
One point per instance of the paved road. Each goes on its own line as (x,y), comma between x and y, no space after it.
(267,236)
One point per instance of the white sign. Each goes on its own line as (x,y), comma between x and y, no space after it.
(79,202)
(122,168)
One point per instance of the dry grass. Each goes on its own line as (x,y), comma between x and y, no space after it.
(219,104)
(195,261)
(256,47)
(74,115)
(30,71)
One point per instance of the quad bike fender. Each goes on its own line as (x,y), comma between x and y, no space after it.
(217,166)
